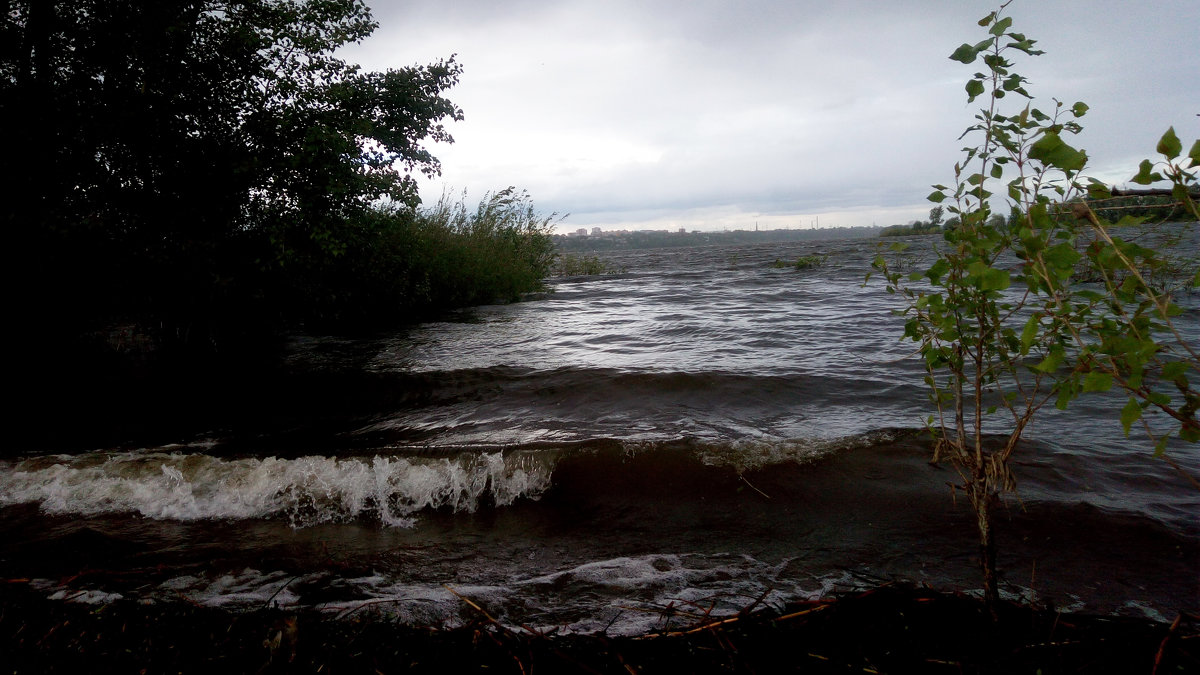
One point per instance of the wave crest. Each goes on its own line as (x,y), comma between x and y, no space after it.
(306,490)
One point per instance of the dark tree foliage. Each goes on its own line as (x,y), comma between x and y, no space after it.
(171,160)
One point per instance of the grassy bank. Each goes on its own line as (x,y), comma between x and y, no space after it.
(892,629)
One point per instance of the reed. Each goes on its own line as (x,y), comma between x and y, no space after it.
(804,262)
(405,263)
(571,265)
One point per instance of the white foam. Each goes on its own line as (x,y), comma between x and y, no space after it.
(86,597)
(306,490)
(1142,609)
(418,604)
(751,453)
(623,574)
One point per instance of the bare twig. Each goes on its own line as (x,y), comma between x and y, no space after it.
(476,607)
(1162,648)
(743,477)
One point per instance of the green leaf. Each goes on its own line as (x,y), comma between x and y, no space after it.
(1174,370)
(1097,381)
(1098,190)
(1052,361)
(1180,192)
(937,270)
(936,197)
(1194,153)
(1026,46)
(974,89)
(1000,26)
(1062,257)
(1079,109)
(1160,448)
(1130,221)
(1146,174)
(1134,379)
(1131,413)
(1051,150)
(988,278)
(1064,397)
(965,53)
(1029,333)
(898,246)
(1169,144)
(996,280)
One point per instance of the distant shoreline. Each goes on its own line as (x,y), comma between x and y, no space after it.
(641,239)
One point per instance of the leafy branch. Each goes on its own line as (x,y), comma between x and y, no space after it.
(1047,305)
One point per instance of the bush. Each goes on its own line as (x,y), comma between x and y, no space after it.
(403,264)
(1079,313)
(571,265)
(917,227)
(804,262)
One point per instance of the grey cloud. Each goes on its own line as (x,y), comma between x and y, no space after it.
(606,109)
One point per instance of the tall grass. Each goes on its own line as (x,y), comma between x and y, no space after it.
(571,265)
(403,264)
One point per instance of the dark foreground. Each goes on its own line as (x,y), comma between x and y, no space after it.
(891,629)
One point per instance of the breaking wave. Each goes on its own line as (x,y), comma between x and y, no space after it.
(391,488)
(305,490)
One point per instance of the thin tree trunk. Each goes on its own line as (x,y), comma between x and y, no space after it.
(987,549)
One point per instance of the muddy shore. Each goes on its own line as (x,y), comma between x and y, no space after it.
(890,629)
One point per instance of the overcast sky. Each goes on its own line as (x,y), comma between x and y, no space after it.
(786,113)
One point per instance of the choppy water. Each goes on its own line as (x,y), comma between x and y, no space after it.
(703,430)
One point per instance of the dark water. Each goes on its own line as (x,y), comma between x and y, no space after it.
(704,430)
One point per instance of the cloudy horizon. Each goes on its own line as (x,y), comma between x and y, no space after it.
(708,115)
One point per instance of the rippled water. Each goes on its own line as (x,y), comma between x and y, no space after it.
(704,429)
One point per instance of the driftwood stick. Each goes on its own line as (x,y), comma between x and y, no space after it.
(476,607)
(811,610)
(743,477)
(366,603)
(492,620)
(749,608)
(708,625)
(1162,648)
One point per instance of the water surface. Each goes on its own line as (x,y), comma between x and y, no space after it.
(704,430)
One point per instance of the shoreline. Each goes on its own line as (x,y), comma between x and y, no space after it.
(892,628)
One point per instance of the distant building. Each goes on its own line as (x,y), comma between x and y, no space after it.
(581,232)
(596,232)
